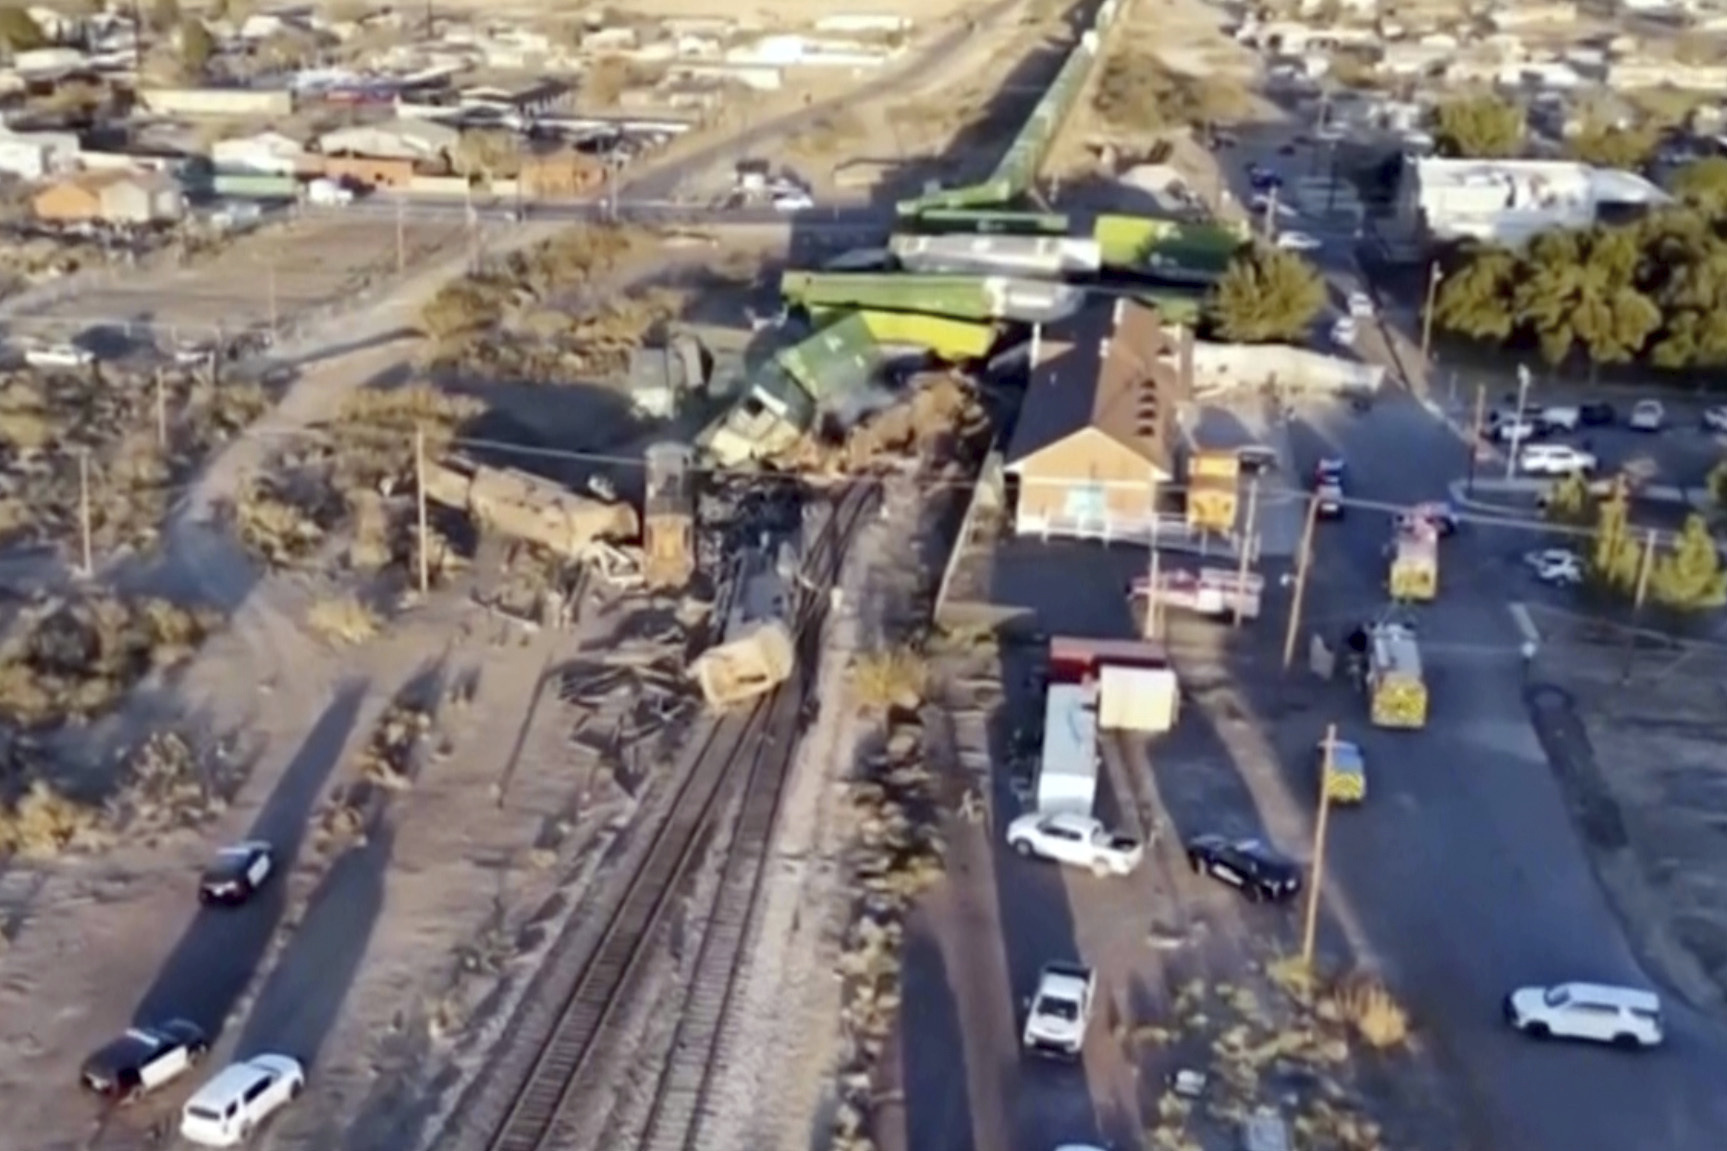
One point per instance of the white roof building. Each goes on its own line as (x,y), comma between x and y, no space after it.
(400,139)
(1510,201)
(267,152)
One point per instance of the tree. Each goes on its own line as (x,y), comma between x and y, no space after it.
(604,81)
(1479,127)
(19,30)
(1717,484)
(1471,301)
(1689,576)
(1615,557)
(1703,184)
(1581,291)
(1266,295)
(197,46)
(1569,501)
(1610,146)
(165,15)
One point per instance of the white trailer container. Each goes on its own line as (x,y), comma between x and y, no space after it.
(1067,774)
(1144,699)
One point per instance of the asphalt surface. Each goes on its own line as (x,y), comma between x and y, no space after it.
(1466,870)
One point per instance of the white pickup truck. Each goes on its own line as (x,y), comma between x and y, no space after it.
(1056,1018)
(1077,840)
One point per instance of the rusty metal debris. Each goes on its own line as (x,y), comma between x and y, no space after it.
(529,507)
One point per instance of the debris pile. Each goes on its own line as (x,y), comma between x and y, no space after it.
(636,698)
(344,619)
(1273,1059)
(57,429)
(66,659)
(735,513)
(527,507)
(897,854)
(388,757)
(930,419)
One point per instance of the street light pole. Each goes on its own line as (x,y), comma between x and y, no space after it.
(1434,275)
(1316,877)
(1517,436)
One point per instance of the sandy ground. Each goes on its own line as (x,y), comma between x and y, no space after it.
(1641,764)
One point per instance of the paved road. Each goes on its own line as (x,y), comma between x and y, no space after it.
(1465,870)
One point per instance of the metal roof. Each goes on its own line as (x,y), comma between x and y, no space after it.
(1108,370)
(840,359)
(1070,731)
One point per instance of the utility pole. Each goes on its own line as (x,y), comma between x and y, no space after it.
(84,509)
(161,411)
(1644,567)
(1477,430)
(1249,534)
(1303,562)
(420,498)
(1515,444)
(1270,225)
(270,272)
(1316,876)
(1434,275)
(401,234)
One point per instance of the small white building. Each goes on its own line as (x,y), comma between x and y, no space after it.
(400,139)
(1510,201)
(268,152)
(35,155)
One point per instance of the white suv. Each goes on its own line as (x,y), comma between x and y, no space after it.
(227,1109)
(1622,1016)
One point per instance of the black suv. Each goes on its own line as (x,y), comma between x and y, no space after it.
(143,1059)
(1247,865)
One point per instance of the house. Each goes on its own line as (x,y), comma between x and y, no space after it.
(420,142)
(1095,437)
(268,152)
(532,99)
(1510,201)
(33,155)
(111,198)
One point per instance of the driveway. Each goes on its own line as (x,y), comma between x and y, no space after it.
(1465,872)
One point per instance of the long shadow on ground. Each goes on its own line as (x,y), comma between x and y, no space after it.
(209,969)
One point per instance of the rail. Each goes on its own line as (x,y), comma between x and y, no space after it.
(577,1025)
(681,1098)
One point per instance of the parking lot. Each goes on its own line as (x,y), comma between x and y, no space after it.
(274,273)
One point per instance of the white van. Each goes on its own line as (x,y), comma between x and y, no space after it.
(1598,1012)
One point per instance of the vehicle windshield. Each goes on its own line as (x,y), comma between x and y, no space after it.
(1557,997)
(1064,1009)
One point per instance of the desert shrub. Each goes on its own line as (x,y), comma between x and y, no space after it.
(1371,1010)
(896,678)
(344,619)
(45,821)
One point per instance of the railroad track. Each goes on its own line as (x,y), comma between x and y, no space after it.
(753,750)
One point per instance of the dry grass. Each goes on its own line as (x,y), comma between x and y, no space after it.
(387,760)
(895,679)
(358,470)
(1369,1007)
(74,659)
(50,421)
(45,821)
(344,619)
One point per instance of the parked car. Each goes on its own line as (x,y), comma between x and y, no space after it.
(1360,305)
(1056,1017)
(1556,566)
(793,202)
(1247,865)
(1078,840)
(226,1110)
(143,1059)
(1560,419)
(1293,241)
(1344,332)
(1622,1016)
(1516,429)
(1596,415)
(59,356)
(1554,460)
(1647,416)
(237,873)
(1715,419)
